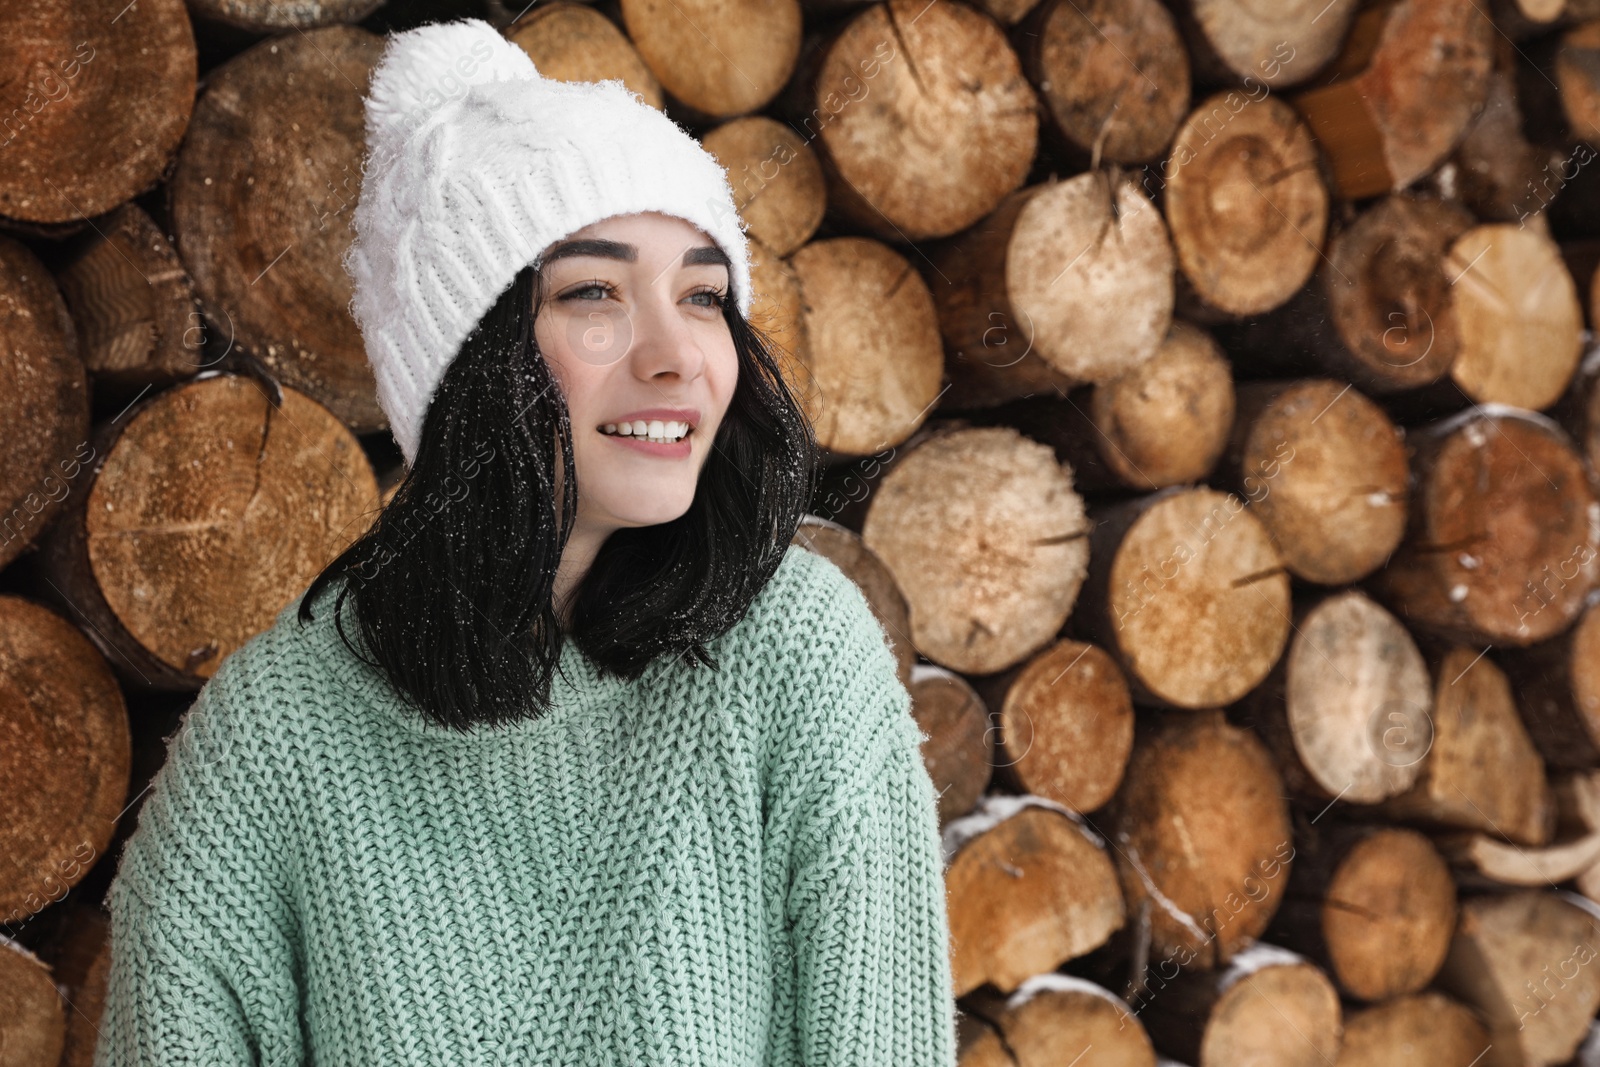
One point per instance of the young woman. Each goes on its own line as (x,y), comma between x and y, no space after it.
(572,758)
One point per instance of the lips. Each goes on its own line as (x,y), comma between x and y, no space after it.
(679,449)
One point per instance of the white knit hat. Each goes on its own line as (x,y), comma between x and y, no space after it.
(476,163)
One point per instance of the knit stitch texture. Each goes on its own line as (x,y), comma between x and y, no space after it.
(697,869)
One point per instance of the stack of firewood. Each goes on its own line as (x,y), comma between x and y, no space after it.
(1211,419)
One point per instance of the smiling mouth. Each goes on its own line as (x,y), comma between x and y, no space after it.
(663,432)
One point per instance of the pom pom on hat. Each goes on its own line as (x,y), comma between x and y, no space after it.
(422,69)
(477,163)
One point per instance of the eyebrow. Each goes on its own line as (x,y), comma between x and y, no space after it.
(704,254)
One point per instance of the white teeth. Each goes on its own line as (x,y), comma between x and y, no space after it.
(654,430)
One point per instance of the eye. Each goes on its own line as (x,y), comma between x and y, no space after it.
(605,288)
(719,297)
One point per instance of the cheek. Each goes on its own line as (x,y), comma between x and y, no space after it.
(549,334)
(723,370)
(598,338)
(578,381)
(583,387)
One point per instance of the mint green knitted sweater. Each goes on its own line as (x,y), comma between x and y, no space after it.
(696,869)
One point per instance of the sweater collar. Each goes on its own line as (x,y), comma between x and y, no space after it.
(577,684)
(579,680)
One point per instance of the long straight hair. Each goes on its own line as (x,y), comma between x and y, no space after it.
(453,584)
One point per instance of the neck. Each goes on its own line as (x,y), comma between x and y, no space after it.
(576,559)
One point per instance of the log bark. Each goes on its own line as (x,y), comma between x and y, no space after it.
(985,535)
(274,16)
(1578,80)
(1502,863)
(262,198)
(1503,540)
(1411,76)
(98,100)
(79,955)
(719,59)
(1112,76)
(1325,470)
(1379,312)
(1557,683)
(979,1045)
(1481,771)
(1029,888)
(778,188)
(134,306)
(1187,591)
(44,401)
(1523,961)
(179,549)
(1578,411)
(1203,837)
(1495,167)
(1245,202)
(1578,813)
(844,490)
(924,119)
(1519,316)
(1427,1027)
(1329,708)
(875,364)
(574,42)
(1065,725)
(1059,286)
(66,761)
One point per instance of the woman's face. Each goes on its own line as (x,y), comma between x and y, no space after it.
(631,326)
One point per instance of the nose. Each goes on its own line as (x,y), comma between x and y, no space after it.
(662,341)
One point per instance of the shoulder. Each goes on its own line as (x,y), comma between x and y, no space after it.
(223,792)
(826,664)
(809,599)
(811,616)
(268,689)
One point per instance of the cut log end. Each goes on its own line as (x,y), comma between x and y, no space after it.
(1247,208)
(1504,545)
(1196,599)
(1326,470)
(1204,837)
(1025,895)
(986,538)
(67,757)
(1066,726)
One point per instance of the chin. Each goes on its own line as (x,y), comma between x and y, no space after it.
(634,512)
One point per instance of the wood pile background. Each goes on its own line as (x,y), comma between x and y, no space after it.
(1213,412)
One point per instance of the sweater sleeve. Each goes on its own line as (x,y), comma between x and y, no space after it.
(866,905)
(202,943)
